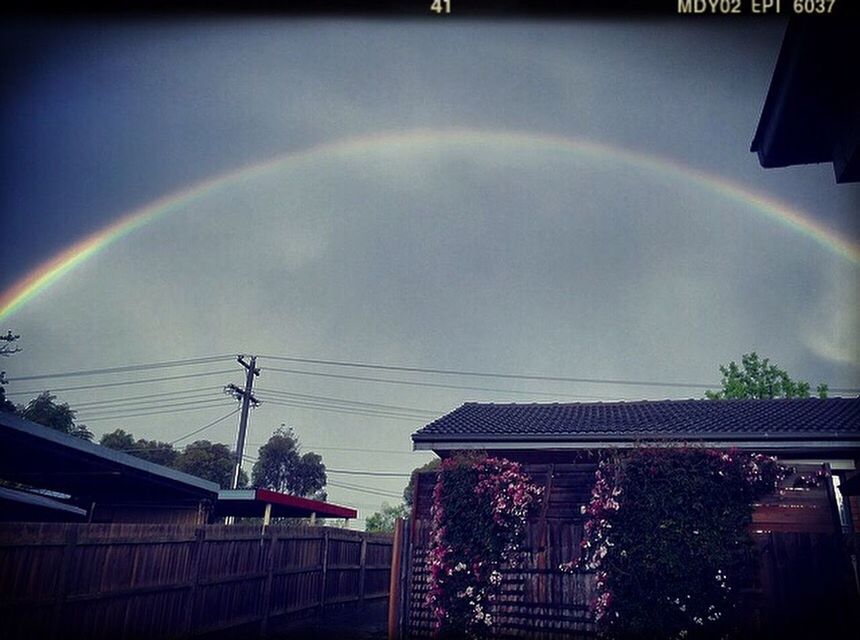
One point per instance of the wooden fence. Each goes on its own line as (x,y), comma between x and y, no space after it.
(805,579)
(162,581)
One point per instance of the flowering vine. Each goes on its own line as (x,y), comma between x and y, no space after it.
(480,509)
(667,538)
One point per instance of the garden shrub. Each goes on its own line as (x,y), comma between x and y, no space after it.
(668,537)
(480,507)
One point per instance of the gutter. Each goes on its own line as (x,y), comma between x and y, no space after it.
(627,443)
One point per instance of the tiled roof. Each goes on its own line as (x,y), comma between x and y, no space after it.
(804,418)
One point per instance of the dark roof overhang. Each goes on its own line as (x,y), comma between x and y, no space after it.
(812,109)
(36,456)
(25,506)
(799,443)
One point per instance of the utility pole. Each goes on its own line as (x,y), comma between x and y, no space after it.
(247,400)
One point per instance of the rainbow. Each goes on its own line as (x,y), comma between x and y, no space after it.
(55,268)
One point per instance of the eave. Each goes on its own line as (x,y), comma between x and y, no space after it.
(762,442)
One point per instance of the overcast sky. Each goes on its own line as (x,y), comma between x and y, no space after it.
(479,253)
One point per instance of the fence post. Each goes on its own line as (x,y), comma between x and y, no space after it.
(194,576)
(65,574)
(267,589)
(394,584)
(363,568)
(324,571)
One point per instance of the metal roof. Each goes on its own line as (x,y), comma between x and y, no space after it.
(34,455)
(24,506)
(251,503)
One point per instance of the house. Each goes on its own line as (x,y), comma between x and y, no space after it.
(812,430)
(812,110)
(558,445)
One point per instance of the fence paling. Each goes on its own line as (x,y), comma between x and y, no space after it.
(156,581)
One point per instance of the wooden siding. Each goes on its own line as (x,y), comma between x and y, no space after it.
(160,581)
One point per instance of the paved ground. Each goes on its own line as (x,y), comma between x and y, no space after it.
(368,623)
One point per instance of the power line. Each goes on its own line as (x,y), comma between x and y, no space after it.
(124,369)
(152,413)
(487,374)
(311,447)
(437,385)
(102,410)
(380,474)
(148,399)
(186,436)
(418,415)
(513,376)
(204,427)
(354,412)
(367,490)
(347,410)
(346,401)
(122,384)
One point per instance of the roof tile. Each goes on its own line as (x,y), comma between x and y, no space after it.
(811,418)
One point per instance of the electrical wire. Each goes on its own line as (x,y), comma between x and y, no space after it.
(422,415)
(289,394)
(167,405)
(342,409)
(379,474)
(204,427)
(514,376)
(345,411)
(127,382)
(367,490)
(149,398)
(350,449)
(125,369)
(436,385)
(488,374)
(151,413)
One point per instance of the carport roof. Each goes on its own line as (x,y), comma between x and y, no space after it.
(36,456)
(251,503)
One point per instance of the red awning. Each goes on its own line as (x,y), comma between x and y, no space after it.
(251,503)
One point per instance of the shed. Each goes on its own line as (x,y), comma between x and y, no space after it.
(108,485)
(27,506)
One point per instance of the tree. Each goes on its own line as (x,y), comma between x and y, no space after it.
(156,452)
(410,488)
(210,461)
(281,466)
(6,350)
(757,378)
(118,440)
(153,451)
(383,520)
(60,417)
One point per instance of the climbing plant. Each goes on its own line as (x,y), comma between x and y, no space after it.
(667,537)
(480,508)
